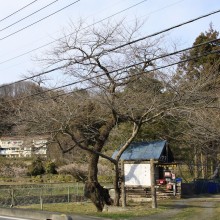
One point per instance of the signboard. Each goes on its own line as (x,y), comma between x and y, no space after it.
(137,175)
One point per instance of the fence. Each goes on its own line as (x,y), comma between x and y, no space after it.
(200,186)
(40,194)
(206,186)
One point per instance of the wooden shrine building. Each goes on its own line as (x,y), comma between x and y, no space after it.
(136,169)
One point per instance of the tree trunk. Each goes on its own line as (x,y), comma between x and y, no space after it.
(202,162)
(93,190)
(116,185)
(195,163)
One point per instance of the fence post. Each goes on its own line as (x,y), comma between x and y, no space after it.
(68,190)
(12,198)
(41,200)
(77,189)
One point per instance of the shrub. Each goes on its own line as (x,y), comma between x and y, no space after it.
(36,168)
(50,167)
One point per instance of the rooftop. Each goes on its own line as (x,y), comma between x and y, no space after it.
(157,150)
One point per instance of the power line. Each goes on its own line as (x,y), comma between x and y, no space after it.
(40,47)
(21,55)
(115,48)
(18,10)
(159,32)
(123,68)
(28,16)
(39,20)
(123,78)
(129,43)
(122,11)
(160,57)
(164,7)
(31,77)
(147,36)
(167,29)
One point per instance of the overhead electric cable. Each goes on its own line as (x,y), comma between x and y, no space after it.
(120,69)
(39,20)
(162,8)
(31,77)
(115,48)
(28,16)
(123,78)
(167,29)
(18,11)
(132,6)
(71,33)
(156,58)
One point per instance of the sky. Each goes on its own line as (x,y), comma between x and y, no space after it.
(158,15)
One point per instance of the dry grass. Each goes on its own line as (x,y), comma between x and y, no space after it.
(87,208)
(183,209)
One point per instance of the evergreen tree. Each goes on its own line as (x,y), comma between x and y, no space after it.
(196,68)
(200,133)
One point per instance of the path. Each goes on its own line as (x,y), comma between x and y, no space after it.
(204,207)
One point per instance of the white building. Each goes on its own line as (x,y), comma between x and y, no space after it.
(23,146)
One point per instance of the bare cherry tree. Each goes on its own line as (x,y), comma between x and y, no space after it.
(115,84)
(87,56)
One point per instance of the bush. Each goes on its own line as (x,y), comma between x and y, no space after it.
(36,168)
(50,167)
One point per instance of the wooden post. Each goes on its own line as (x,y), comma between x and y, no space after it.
(123,189)
(41,200)
(12,198)
(77,188)
(68,193)
(153,189)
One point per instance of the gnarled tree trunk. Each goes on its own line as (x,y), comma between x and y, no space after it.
(93,190)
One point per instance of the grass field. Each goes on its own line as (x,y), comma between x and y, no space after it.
(182,209)
(87,208)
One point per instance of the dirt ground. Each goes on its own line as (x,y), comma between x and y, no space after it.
(204,207)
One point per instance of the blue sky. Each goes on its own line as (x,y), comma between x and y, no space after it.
(158,14)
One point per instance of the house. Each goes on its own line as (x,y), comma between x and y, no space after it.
(21,146)
(137,170)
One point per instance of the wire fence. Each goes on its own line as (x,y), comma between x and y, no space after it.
(41,194)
